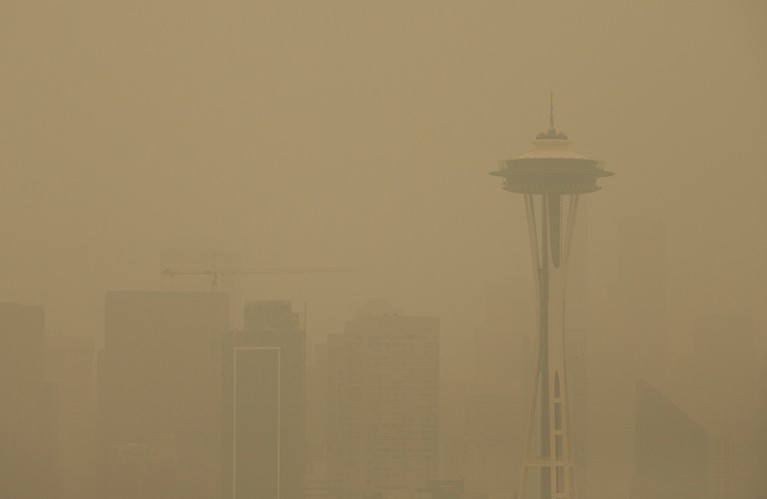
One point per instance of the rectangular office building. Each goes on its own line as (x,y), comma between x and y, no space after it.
(263,387)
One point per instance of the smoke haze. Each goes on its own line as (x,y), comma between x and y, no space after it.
(360,134)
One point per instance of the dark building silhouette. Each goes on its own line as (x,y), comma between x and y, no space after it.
(671,449)
(264,410)
(383,404)
(160,399)
(27,408)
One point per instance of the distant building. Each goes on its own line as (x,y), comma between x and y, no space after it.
(496,410)
(724,373)
(642,294)
(627,342)
(720,468)
(383,404)
(160,394)
(720,385)
(434,489)
(671,450)
(264,410)
(27,408)
(70,372)
(316,422)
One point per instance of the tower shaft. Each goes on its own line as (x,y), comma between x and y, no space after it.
(551,178)
(551,220)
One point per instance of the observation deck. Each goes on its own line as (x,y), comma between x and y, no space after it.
(551,168)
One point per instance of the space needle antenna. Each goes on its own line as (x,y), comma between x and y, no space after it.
(551,110)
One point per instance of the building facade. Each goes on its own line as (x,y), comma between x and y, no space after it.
(383,405)
(27,411)
(671,449)
(159,394)
(264,404)
(70,372)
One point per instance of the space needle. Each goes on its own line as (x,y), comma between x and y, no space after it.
(551,178)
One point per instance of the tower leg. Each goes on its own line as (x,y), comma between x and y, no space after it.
(551,228)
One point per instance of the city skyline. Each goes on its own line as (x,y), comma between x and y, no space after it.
(99,222)
(147,148)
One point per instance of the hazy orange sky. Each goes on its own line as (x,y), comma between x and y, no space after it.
(361,134)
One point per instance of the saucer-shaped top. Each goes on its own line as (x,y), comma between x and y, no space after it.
(551,168)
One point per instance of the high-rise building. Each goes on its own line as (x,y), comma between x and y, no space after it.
(724,372)
(641,295)
(720,468)
(160,395)
(671,449)
(632,328)
(552,179)
(264,404)
(316,421)
(383,404)
(27,409)
(70,372)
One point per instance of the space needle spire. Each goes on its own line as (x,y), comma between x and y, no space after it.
(551,179)
(551,111)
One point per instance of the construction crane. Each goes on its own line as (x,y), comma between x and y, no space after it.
(215,273)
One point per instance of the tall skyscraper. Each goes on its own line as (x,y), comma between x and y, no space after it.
(70,372)
(264,411)
(671,449)
(27,410)
(641,295)
(632,328)
(383,404)
(160,411)
(551,178)
(317,421)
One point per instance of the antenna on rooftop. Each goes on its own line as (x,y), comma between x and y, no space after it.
(551,111)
